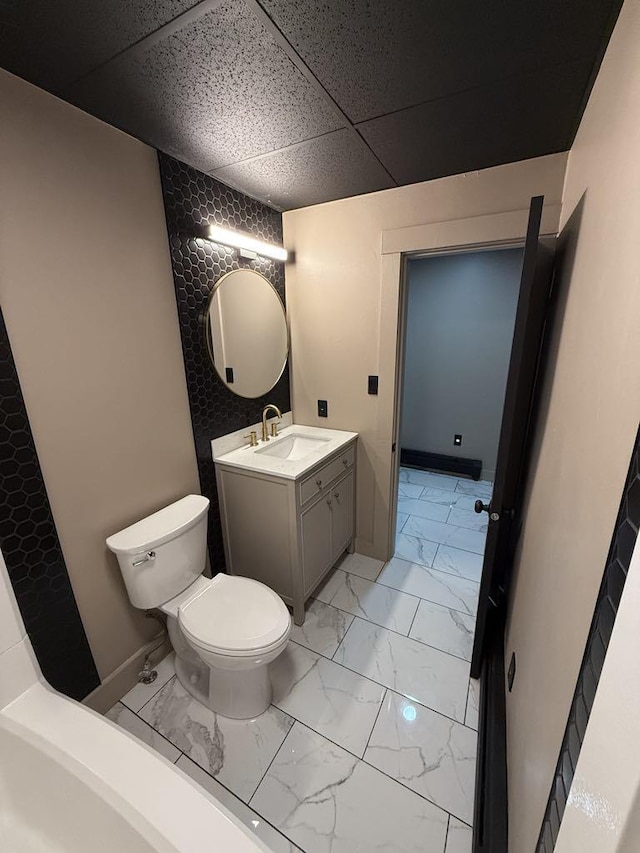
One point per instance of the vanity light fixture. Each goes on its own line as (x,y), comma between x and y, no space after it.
(248,247)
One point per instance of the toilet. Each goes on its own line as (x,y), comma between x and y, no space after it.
(225,630)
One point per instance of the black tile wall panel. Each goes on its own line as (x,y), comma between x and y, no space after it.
(31,548)
(613,580)
(193,201)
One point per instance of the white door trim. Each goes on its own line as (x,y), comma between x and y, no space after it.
(477,232)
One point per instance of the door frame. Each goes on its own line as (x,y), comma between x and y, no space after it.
(478,233)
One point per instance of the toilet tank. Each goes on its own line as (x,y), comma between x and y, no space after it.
(164,553)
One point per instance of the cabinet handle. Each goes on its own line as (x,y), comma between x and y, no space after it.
(319,483)
(336,495)
(345,461)
(329,503)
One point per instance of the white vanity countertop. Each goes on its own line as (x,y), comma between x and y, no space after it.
(251,459)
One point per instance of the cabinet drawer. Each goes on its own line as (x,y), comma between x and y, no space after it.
(314,484)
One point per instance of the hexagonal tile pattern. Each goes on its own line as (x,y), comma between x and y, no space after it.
(193,201)
(615,574)
(31,548)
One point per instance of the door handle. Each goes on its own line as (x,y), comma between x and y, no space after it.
(480,507)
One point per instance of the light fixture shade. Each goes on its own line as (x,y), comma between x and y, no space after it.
(243,241)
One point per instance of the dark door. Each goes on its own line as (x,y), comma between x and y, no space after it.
(505,506)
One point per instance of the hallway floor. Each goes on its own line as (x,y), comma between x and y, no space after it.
(370,742)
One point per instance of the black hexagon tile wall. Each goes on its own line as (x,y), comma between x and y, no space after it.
(193,201)
(31,548)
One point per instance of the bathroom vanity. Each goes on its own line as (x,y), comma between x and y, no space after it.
(288,508)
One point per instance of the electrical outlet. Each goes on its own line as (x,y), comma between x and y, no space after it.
(512,671)
(322,409)
(457,439)
(372,385)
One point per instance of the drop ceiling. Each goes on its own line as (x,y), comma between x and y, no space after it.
(302,102)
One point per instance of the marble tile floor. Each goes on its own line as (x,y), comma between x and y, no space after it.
(370,743)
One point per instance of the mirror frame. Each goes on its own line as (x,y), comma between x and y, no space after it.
(209,342)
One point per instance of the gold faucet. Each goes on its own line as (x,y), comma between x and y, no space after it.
(265,434)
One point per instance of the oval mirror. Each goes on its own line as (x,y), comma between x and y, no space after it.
(246,331)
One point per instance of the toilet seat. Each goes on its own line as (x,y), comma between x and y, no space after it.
(234,616)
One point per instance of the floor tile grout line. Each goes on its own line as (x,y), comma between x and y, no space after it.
(155,694)
(358,758)
(386,687)
(446,835)
(407,696)
(464,612)
(330,740)
(373,583)
(413,620)
(433,542)
(375,722)
(157,689)
(335,743)
(326,737)
(146,723)
(466,704)
(233,794)
(315,651)
(398,633)
(277,752)
(413,790)
(406,636)
(458,526)
(432,567)
(222,784)
(333,656)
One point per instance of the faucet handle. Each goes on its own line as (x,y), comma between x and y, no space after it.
(253,438)
(274,429)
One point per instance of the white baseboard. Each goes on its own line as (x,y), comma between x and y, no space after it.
(123,678)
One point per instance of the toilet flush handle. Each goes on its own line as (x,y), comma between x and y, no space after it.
(150,555)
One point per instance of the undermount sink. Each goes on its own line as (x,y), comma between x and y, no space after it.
(293,447)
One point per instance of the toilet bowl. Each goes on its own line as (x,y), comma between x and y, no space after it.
(225,630)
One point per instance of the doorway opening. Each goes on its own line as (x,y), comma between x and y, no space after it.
(457,327)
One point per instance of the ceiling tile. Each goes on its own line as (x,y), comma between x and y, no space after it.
(514,120)
(217,91)
(375,56)
(333,166)
(52,43)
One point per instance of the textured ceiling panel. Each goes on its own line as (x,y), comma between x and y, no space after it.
(217,91)
(376,56)
(333,166)
(53,43)
(265,93)
(513,120)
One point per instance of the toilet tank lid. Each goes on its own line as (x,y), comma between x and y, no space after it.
(160,527)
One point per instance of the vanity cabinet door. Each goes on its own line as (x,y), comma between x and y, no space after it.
(341,496)
(316,542)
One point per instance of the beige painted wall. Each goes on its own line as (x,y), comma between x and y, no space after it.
(87,293)
(592,407)
(603,809)
(334,298)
